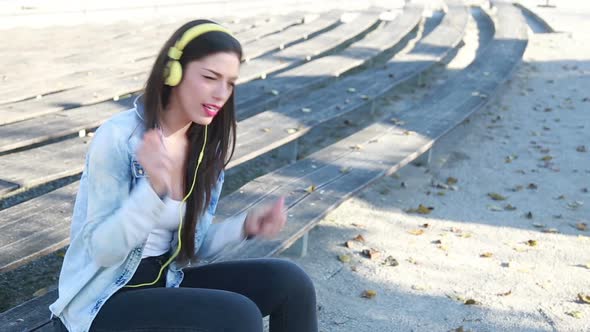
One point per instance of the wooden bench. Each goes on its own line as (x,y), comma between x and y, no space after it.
(336,172)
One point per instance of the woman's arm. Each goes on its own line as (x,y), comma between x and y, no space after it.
(117,220)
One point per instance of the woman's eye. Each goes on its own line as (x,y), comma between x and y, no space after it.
(209,77)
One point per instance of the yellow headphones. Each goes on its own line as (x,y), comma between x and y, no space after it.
(173,69)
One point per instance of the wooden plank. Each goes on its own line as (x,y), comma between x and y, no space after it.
(318,72)
(308,50)
(29,315)
(62,124)
(297,33)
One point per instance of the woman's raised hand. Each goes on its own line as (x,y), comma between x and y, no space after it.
(154,159)
(267,221)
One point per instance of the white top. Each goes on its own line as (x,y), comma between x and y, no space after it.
(160,237)
(219,235)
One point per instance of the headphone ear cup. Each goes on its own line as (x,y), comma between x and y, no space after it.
(173,73)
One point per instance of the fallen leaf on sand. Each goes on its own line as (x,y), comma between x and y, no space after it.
(418,288)
(344,258)
(531,243)
(359,238)
(390,261)
(495,208)
(575,314)
(416,231)
(451,180)
(471,302)
(509,207)
(421,209)
(369,294)
(584,298)
(486,255)
(370,253)
(310,189)
(505,294)
(574,205)
(496,197)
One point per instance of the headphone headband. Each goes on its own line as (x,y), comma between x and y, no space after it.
(175,52)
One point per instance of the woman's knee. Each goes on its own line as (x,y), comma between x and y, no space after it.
(293,276)
(242,312)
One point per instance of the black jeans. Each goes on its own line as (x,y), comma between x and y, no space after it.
(227,296)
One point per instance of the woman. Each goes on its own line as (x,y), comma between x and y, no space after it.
(147,197)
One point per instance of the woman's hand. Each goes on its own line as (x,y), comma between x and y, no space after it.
(154,159)
(267,221)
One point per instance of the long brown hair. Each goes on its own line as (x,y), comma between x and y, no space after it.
(221,135)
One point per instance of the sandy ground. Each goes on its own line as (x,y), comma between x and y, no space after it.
(475,263)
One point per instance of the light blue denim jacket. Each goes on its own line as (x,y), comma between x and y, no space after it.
(115,210)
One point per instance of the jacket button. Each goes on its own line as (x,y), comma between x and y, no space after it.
(140,171)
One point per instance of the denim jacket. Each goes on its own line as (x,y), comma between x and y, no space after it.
(115,210)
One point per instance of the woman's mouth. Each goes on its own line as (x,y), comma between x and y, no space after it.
(210,109)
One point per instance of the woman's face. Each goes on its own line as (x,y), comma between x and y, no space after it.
(206,85)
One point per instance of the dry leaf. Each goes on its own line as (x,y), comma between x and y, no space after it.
(349,244)
(494,208)
(574,205)
(390,261)
(418,288)
(509,207)
(584,298)
(451,180)
(311,189)
(344,258)
(486,255)
(582,226)
(359,238)
(575,314)
(531,243)
(369,294)
(471,302)
(421,209)
(496,197)
(416,231)
(425,225)
(505,294)
(370,253)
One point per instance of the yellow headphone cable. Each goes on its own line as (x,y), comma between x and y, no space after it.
(180,219)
